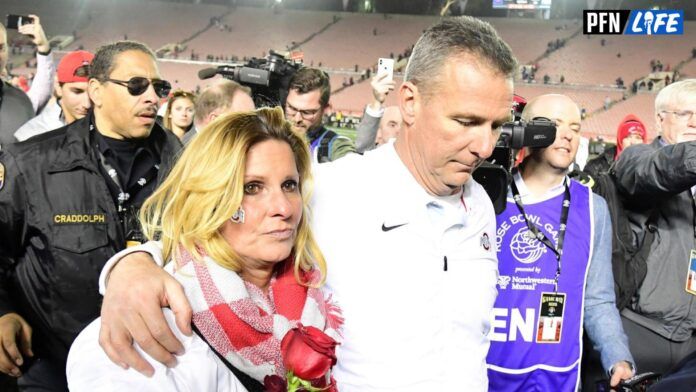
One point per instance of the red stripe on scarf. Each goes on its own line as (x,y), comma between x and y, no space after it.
(243,331)
(288,295)
(238,332)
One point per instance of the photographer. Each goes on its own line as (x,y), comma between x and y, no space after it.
(552,261)
(308,97)
(15,109)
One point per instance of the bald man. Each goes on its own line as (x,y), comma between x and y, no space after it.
(555,275)
(389,125)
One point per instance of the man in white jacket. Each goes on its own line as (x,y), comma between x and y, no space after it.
(408,235)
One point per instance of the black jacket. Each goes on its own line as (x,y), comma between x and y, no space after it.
(601,164)
(656,176)
(15,110)
(58,226)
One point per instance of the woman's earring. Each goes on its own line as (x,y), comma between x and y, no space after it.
(238,216)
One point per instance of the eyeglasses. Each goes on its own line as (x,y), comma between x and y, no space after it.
(137,85)
(307,114)
(682,115)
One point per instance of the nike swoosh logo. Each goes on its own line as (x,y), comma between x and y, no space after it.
(388,228)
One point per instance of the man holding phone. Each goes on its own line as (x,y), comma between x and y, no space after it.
(378,123)
(15,109)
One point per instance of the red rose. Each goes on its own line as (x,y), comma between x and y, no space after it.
(308,352)
(275,383)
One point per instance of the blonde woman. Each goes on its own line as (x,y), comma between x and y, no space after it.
(178,117)
(232,220)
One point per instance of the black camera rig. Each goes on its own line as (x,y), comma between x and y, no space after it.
(268,78)
(494,173)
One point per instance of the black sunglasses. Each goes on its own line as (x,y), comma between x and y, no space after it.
(137,85)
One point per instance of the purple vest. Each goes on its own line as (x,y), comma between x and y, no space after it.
(516,362)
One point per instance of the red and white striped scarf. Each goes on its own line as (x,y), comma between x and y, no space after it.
(243,324)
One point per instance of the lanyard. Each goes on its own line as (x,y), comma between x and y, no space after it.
(539,235)
(314,143)
(123,195)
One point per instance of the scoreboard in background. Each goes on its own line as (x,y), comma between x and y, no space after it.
(523,4)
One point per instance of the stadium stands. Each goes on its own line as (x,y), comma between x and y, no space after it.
(604,124)
(253,31)
(591,100)
(354,99)
(529,38)
(339,41)
(585,61)
(689,69)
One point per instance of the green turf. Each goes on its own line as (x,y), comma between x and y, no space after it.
(347,132)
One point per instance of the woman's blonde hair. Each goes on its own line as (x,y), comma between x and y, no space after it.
(206,186)
(176,95)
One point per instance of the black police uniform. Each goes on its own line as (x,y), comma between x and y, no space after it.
(60,222)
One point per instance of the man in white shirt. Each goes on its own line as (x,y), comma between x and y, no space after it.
(72,101)
(407,233)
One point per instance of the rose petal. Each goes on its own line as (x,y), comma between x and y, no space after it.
(302,354)
(275,383)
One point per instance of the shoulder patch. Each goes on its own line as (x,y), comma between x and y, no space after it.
(2,175)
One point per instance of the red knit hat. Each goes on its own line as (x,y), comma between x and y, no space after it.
(70,63)
(629,125)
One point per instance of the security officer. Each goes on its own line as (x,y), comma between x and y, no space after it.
(68,201)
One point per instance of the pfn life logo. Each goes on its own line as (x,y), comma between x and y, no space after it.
(633,22)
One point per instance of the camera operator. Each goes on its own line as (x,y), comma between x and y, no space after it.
(15,108)
(68,201)
(308,97)
(552,261)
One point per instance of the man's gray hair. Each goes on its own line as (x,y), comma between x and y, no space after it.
(104,60)
(674,93)
(462,35)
